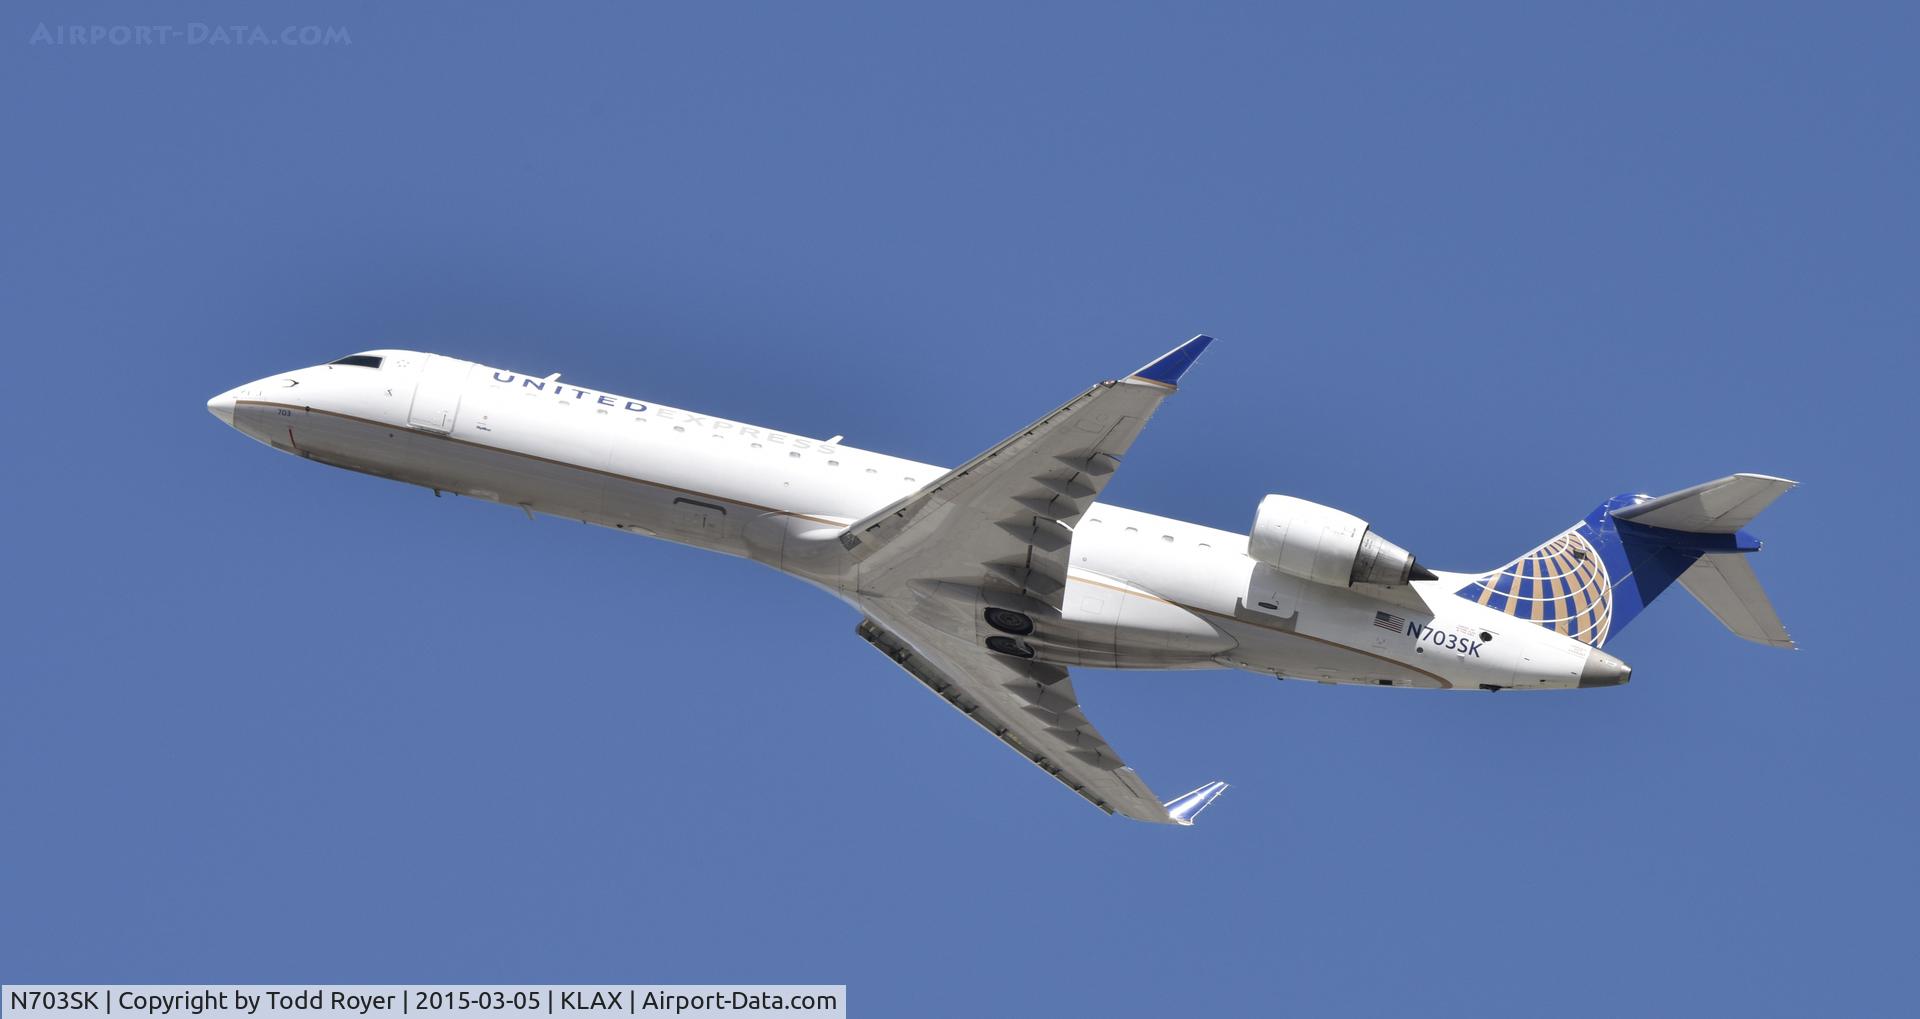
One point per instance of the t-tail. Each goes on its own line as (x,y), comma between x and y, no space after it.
(1591,580)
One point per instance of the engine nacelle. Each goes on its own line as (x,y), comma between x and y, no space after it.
(1324,545)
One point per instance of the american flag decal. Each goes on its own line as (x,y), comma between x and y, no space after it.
(1389,621)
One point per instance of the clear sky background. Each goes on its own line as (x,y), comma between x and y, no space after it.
(1472,272)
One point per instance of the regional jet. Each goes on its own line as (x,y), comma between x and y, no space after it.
(990,581)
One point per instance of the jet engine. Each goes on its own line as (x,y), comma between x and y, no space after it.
(1324,545)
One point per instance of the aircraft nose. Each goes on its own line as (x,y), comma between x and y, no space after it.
(1603,669)
(222,407)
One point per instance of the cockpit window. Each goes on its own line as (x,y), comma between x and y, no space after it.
(362,360)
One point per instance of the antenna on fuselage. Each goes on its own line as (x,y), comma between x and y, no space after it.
(555,377)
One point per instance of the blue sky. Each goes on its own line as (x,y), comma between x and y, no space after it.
(1472,271)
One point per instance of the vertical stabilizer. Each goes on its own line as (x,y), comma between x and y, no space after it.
(1591,580)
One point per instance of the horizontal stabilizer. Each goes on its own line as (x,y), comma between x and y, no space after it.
(1183,809)
(1717,507)
(1727,586)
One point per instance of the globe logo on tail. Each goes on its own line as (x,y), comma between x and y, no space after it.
(1562,585)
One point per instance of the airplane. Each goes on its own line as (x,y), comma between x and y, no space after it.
(988,582)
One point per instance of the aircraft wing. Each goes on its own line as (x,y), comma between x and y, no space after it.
(1031,707)
(1005,519)
(1009,512)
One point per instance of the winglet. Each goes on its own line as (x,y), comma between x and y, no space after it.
(1174,363)
(1183,809)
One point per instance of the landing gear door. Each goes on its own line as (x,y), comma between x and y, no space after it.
(436,399)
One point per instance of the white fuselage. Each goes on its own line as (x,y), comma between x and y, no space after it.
(1144,591)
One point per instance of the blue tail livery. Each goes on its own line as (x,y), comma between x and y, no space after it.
(1591,580)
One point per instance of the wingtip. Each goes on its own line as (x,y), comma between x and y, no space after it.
(1168,367)
(1185,807)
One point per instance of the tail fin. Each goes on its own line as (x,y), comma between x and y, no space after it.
(1592,579)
